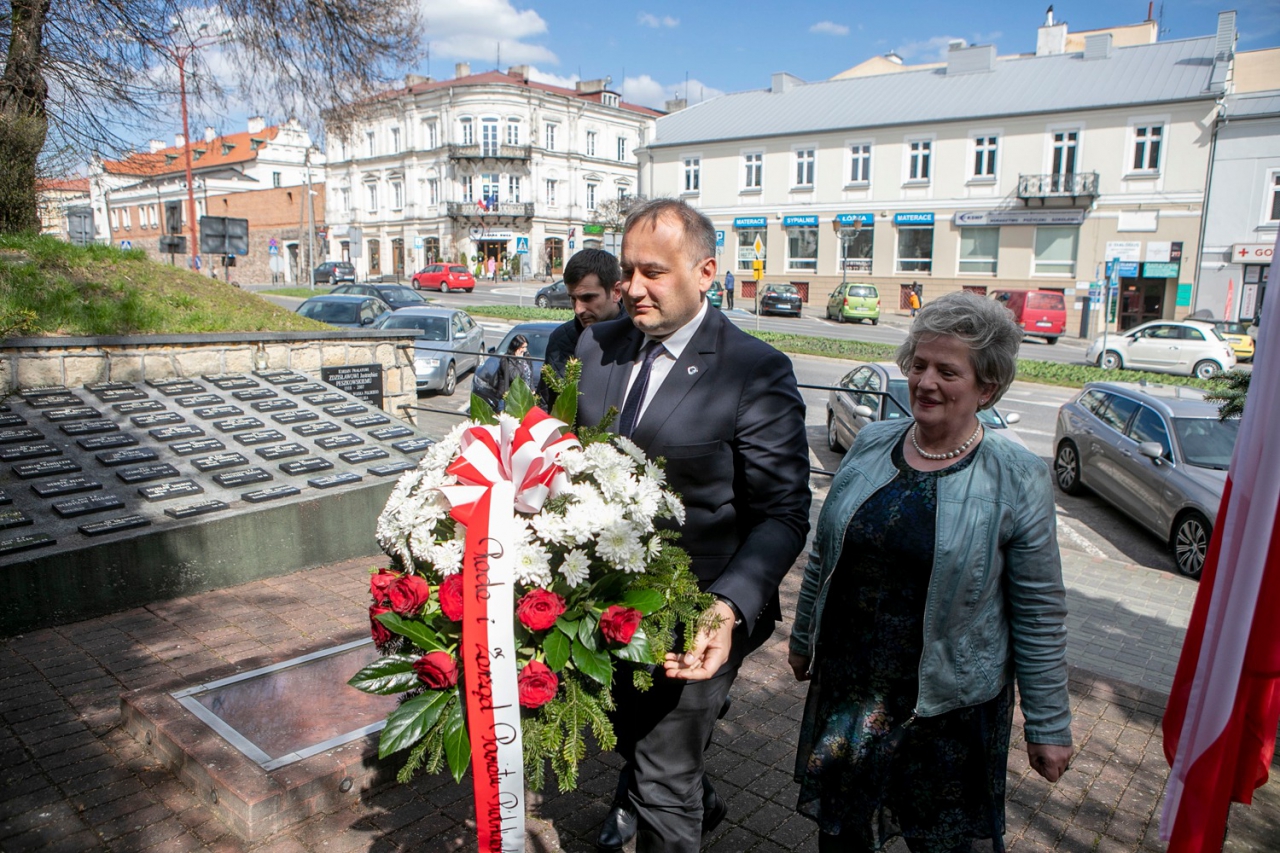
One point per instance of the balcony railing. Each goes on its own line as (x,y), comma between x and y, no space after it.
(491,152)
(1075,186)
(472,210)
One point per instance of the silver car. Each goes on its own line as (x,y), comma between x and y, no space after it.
(1188,348)
(448,344)
(1158,453)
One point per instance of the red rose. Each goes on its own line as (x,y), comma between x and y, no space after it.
(437,670)
(450,592)
(619,624)
(380,584)
(381,636)
(539,609)
(409,595)
(537,683)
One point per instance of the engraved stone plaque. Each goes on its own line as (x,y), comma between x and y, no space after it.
(42,392)
(305,388)
(89,427)
(192,510)
(391,468)
(85,504)
(157,419)
(143,473)
(73,413)
(231,383)
(295,417)
(19,452)
(114,525)
(47,468)
(322,399)
(174,389)
(100,387)
(256,394)
(14,544)
(343,409)
(282,451)
(169,491)
(237,424)
(362,421)
(14,518)
(262,436)
(106,442)
(333,442)
(277,405)
(271,494)
(139,407)
(232,479)
(218,461)
(213,412)
(328,481)
(200,445)
(280,377)
(13,436)
(390,432)
(175,432)
(11,420)
(413,445)
(52,401)
(321,428)
(306,466)
(126,457)
(65,486)
(121,395)
(5,500)
(199,400)
(364,454)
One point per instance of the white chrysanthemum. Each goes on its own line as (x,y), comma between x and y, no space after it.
(602,456)
(674,507)
(574,462)
(616,484)
(630,448)
(654,547)
(446,556)
(646,503)
(532,564)
(619,543)
(552,529)
(653,471)
(576,567)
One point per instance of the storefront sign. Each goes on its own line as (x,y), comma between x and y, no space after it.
(490,234)
(1127,269)
(1159,253)
(799,222)
(1124,250)
(1159,270)
(913,219)
(591,228)
(1018,217)
(1252,253)
(751,222)
(847,219)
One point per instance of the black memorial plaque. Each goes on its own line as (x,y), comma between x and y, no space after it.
(19,452)
(323,399)
(171,490)
(199,400)
(200,445)
(362,381)
(157,419)
(362,421)
(106,442)
(173,433)
(47,468)
(261,436)
(306,466)
(14,518)
(278,405)
(281,451)
(321,428)
(298,417)
(53,401)
(230,382)
(237,424)
(13,436)
(255,394)
(12,420)
(127,457)
(99,388)
(413,445)
(213,412)
(192,510)
(271,494)
(333,442)
(121,395)
(114,525)
(85,504)
(389,432)
(14,544)
(5,500)
(391,468)
(175,389)
(72,413)
(65,486)
(144,473)
(328,481)
(232,479)
(306,388)
(343,409)
(139,407)
(218,461)
(279,377)
(364,454)
(44,392)
(89,427)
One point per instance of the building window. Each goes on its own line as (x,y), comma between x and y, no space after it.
(692,174)
(489,137)
(430,135)
(746,246)
(371,192)
(1064,152)
(1273,198)
(1146,148)
(1056,250)
(804,167)
(344,200)
(860,163)
(915,248)
(984,156)
(622,149)
(370,146)
(397,195)
(513,132)
(551,193)
(855,250)
(623,195)
(513,189)
(609,99)
(919,152)
(375,257)
(431,249)
(754,177)
(978,249)
(433,191)
(591,196)
(802,249)
(275,179)
(489,190)
(591,143)
(395,140)
(550,137)
(468,188)
(468,131)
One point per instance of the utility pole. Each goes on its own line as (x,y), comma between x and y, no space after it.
(311,224)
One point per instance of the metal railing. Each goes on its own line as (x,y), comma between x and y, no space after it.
(472,210)
(1071,185)
(491,152)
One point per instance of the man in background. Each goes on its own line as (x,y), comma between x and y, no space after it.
(591,277)
(728,290)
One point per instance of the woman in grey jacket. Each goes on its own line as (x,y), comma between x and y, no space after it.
(934,581)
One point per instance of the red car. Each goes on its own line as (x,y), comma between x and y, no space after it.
(444,278)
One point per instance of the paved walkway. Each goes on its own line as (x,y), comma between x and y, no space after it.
(73,781)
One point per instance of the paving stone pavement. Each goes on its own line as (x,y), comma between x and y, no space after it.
(72,780)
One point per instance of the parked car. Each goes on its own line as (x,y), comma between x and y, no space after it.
(780,299)
(848,411)
(444,278)
(485,382)
(1040,313)
(448,344)
(1238,336)
(715,294)
(358,290)
(332,272)
(554,296)
(345,309)
(1187,348)
(400,296)
(854,301)
(1158,453)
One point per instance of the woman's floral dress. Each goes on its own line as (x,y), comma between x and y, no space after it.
(866,768)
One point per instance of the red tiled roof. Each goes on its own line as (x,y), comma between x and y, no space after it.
(170,160)
(490,77)
(71,185)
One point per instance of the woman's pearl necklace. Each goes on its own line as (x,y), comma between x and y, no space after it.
(939,456)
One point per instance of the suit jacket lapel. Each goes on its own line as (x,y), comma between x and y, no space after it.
(616,391)
(692,367)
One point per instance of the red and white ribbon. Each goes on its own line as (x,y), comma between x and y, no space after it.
(500,469)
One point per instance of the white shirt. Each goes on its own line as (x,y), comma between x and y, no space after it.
(674,346)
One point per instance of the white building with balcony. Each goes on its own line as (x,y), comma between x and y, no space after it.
(978,173)
(479,167)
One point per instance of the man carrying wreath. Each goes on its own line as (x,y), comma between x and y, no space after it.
(723,409)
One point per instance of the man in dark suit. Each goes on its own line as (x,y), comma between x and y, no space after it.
(724,410)
(591,278)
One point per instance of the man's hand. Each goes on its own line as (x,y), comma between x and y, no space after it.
(1049,760)
(709,652)
(799,666)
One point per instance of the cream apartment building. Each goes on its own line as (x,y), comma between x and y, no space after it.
(488,165)
(979,173)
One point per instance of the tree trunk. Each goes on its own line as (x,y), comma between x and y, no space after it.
(23,122)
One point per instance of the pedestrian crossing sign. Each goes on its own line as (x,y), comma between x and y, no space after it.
(522,245)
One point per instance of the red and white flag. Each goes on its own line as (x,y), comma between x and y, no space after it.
(1220,725)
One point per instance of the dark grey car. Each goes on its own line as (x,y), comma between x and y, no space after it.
(1158,453)
(554,296)
(449,343)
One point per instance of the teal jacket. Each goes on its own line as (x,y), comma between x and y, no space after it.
(996,605)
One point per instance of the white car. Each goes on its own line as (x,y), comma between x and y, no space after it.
(1188,348)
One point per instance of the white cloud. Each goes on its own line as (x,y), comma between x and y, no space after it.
(930,50)
(480,29)
(829,28)
(537,75)
(646,91)
(647,20)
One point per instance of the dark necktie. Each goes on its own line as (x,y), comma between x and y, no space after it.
(635,397)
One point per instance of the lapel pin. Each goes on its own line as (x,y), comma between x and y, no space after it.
(692,370)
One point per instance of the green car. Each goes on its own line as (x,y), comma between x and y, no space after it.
(715,294)
(854,301)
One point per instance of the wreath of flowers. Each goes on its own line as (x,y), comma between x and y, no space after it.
(599,582)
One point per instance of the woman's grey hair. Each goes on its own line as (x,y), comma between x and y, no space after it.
(984,324)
